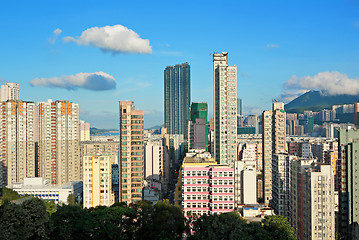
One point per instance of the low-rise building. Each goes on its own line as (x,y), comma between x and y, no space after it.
(41,188)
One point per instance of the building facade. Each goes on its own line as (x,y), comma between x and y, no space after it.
(177,98)
(58,152)
(10,91)
(154,164)
(204,187)
(348,175)
(97,181)
(225,109)
(17,143)
(198,127)
(131,152)
(273,141)
(40,188)
(84,131)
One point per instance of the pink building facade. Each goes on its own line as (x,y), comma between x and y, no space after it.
(207,189)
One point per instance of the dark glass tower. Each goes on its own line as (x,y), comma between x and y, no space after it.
(177,98)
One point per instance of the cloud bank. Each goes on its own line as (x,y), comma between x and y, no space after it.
(97,81)
(329,83)
(56,33)
(115,39)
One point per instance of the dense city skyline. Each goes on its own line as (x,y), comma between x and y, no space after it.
(270,44)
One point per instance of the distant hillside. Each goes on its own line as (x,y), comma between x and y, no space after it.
(315,101)
(155,127)
(97,131)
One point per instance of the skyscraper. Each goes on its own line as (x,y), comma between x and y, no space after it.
(17,144)
(10,91)
(198,127)
(225,109)
(58,154)
(131,152)
(273,141)
(348,176)
(177,94)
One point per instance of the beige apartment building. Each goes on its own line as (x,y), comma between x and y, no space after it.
(131,152)
(84,129)
(17,143)
(97,190)
(225,109)
(273,142)
(58,141)
(109,148)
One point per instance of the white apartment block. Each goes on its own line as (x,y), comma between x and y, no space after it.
(318,203)
(9,91)
(58,138)
(97,181)
(245,175)
(225,109)
(154,164)
(17,141)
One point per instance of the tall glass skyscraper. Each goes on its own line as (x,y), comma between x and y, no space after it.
(177,98)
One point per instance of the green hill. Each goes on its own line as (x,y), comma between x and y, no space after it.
(316,101)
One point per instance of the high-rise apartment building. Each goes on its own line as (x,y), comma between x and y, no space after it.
(252,121)
(95,148)
(84,129)
(17,143)
(58,154)
(10,91)
(198,127)
(177,94)
(131,152)
(312,199)
(225,109)
(281,183)
(273,141)
(97,181)
(318,203)
(348,176)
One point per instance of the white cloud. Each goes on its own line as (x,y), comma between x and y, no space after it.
(115,39)
(56,33)
(330,83)
(97,81)
(272,46)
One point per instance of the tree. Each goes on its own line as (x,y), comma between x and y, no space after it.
(28,220)
(279,227)
(72,222)
(71,200)
(8,195)
(50,206)
(223,226)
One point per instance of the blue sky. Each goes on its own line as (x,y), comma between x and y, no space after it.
(281,48)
